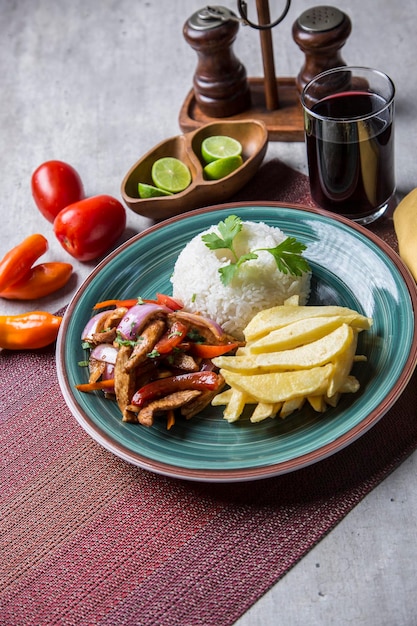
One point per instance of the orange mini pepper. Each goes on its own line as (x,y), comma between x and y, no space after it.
(40,281)
(28,331)
(18,261)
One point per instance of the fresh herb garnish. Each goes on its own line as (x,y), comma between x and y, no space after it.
(288,254)
(126,342)
(195,336)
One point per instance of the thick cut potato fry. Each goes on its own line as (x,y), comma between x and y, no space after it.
(263,411)
(304,331)
(313,354)
(289,406)
(276,317)
(292,355)
(281,386)
(318,403)
(350,385)
(222,398)
(342,366)
(235,406)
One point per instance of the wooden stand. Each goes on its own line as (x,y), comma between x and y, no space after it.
(319,32)
(283,124)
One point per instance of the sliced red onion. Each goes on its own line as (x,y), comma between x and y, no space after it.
(91,326)
(108,374)
(200,320)
(135,319)
(207,366)
(105,352)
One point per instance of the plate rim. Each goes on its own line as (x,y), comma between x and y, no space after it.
(247,473)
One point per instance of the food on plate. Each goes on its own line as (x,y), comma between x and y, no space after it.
(293,354)
(55,185)
(154,358)
(405,224)
(28,331)
(238,316)
(40,281)
(89,228)
(233,270)
(18,261)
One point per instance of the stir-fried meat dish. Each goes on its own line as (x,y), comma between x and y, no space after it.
(159,359)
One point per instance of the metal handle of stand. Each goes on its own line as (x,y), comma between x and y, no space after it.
(265,25)
(243,12)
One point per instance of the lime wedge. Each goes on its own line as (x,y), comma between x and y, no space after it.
(219,147)
(222,167)
(171,174)
(149,191)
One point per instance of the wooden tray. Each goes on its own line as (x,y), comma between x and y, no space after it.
(284,124)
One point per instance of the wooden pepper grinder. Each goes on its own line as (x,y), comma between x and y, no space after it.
(321,32)
(220,85)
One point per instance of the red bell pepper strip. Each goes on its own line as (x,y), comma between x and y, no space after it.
(172,339)
(161,298)
(206,351)
(117,303)
(165,386)
(171,303)
(100,384)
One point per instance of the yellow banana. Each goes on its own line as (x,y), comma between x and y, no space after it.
(405,225)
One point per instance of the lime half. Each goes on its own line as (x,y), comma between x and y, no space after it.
(222,167)
(149,191)
(171,174)
(219,147)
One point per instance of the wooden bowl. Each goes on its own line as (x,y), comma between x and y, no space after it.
(253,136)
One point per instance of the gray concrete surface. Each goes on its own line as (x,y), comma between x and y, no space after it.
(97,85)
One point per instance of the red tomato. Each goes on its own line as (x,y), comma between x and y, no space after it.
(87,229)
(55,185)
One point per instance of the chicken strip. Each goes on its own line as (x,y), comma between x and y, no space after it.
(171,402)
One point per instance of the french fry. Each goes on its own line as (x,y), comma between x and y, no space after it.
(235,406)
(301,332)
(314,354)
(281,386)
(289,406)
(342,366)
(318,403)
(276,317)
(222,398)
(292,355)
(263,410)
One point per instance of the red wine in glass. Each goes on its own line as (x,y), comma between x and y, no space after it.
(351,153)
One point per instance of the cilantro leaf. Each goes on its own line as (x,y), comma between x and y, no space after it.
(288,256)
(227,273)
(228,230)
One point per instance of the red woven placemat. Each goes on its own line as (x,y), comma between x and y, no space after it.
(89,539)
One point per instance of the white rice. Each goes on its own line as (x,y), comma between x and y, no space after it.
(257,285)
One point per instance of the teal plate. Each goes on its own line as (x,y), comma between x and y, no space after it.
(351,267)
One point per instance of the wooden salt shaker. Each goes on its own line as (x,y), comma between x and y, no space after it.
(321,32)
(220,85)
